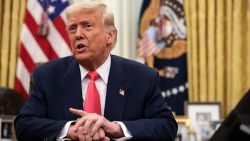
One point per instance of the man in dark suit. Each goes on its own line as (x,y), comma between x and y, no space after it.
(127,104)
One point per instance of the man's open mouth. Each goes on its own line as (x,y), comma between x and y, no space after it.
(80,47)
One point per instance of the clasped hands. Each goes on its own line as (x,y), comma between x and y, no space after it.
(93,127)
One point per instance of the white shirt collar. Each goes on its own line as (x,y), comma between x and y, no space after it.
(103,70)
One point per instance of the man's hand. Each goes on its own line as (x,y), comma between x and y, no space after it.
(71,133)
(99,136)
(79,135)
(91,123)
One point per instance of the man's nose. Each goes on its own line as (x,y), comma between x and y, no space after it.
(79,33)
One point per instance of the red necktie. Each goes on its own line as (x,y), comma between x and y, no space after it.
(92,99)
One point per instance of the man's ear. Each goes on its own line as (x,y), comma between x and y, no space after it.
(111,36)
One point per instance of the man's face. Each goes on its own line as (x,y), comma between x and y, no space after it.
(88,38)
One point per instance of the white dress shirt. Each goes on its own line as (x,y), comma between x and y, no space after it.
(101,82)
(101,85)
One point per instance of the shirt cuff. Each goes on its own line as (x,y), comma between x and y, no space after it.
(126,132)
(64,131)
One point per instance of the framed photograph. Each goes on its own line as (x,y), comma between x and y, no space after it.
(202,112)
(200,115)
(183,128)
(192,136)
(7,129)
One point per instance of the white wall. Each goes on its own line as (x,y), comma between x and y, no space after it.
(126,13)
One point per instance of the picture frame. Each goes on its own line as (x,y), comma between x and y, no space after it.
(192,136)
(7,132)
(200,115)
(203,111)
(183,128)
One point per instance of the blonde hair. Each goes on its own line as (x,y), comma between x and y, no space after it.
(107,15)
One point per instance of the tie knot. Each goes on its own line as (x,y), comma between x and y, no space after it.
(93,75)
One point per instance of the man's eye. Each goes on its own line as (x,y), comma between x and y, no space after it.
(72,28)
(89,26)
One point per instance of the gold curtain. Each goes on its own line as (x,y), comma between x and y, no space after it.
(11,19)
(218,51)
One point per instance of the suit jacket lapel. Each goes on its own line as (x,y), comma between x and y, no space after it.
(71,90)
(115,101)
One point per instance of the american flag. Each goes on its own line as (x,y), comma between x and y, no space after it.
(43,38)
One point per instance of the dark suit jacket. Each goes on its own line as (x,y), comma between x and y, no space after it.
(57,87)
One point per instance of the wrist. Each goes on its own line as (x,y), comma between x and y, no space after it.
(71,133)
(116,131)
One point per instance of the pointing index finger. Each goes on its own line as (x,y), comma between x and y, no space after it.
(78,112)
